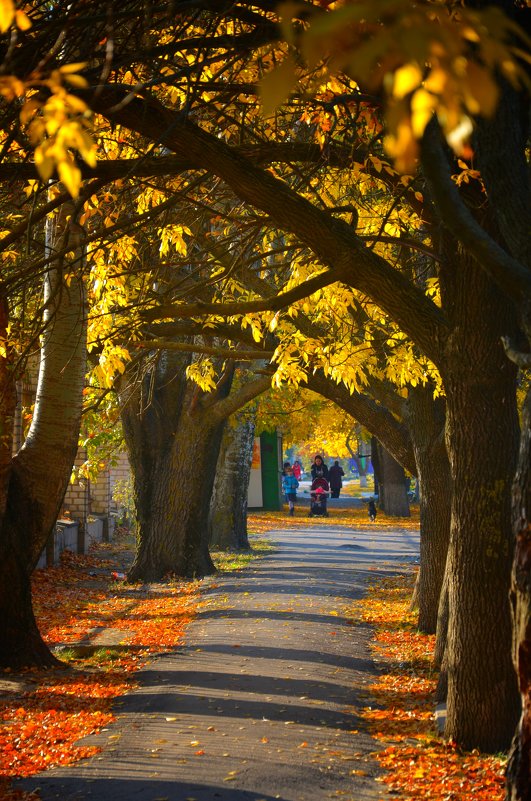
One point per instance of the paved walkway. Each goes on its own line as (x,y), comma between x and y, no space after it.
(262,701)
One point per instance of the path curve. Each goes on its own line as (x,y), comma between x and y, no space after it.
(262,701)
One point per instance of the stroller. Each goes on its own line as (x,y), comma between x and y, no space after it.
(318,495)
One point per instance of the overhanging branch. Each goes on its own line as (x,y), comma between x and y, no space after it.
(225,353)
(510,275)
(275,303)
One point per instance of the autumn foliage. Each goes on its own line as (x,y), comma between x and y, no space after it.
(80,606)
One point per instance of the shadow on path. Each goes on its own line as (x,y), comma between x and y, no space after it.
(263,701)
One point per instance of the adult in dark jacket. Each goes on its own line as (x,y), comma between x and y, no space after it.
(319,469)
(336,472)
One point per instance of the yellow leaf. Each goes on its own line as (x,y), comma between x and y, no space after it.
(28,110)
(481,91)
(406,79)
(77,80)
(22,20)
(436,81)
(7,12)
(422,106)
(44,163)
(74,67)
(276,86)
(75,103)
(70,175)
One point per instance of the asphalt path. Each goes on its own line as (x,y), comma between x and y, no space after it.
(263,699)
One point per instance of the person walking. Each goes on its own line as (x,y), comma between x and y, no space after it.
(297,469)
(336,473)
(289,487)
(319,468)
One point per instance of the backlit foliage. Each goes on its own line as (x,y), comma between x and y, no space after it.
(431,58)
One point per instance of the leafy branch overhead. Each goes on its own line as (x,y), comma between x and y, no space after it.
(434,58)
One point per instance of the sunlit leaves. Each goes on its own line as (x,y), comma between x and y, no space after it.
(428,58)
(10,14)
(7,14)
(203,373)
(58,125)
(57,130)
(171,238)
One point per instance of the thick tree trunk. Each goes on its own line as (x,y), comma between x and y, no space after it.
(173,528)
(426,417)
(482,439)
(335,244)
(393,498)
(502,144)
(41,470)
(228,508)
(375,459)
(173,449)
(21,644)
(173,433)
(442,624)
(519,767)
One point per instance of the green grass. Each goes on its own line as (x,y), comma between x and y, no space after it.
(228,561)
(89,654)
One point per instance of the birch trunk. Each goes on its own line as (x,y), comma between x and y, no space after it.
(41,470)
(228,508)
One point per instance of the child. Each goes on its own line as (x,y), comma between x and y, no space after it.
(289,487)
(372,510)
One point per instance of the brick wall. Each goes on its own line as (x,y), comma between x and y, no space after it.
(83,498)
(121,471)
(76,504)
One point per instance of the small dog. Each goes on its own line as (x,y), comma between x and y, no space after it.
(372,511)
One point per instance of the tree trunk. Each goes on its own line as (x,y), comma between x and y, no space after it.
(173,434)
(426,417)
(393,498)
(431,329)
(173,528)
(41,470)
(173,448)
(519,767)
(482,439)
(502,148)
(228,508)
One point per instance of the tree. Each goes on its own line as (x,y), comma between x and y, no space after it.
(36,478)
(173,431)
(481,711)
(228,505)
